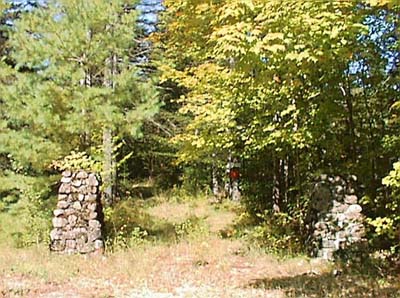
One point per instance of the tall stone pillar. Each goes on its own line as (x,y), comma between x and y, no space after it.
(78,217)
(335,217)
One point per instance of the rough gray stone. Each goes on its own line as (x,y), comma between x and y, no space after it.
(66,179)
(77,183)
(58,245)
(62,197)
(62,205)
(92,180)
(69,235)
(355,208)
(320,225)
(72,220)
(69,212)
(58,212)
(77,228)
(70,244)
(92,206)
(91,198)
(56,234)
(94,224)
(337,216)
(339,189)
(99,244)
(81,175)
(353,216)
(339,209)
(94,234)
(325,253)
(66,173)
(327,243)
(77,205)
(93,215)
(59,222)
(350,199)
(65,188)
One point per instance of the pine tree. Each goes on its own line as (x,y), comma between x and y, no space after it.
(74,86)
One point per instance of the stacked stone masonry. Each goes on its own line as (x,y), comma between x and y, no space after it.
(335,216)
(78,218)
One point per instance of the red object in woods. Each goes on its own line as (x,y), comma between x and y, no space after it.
(234,174)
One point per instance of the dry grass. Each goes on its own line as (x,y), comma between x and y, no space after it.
(216,265)
(177,212)
(201,266)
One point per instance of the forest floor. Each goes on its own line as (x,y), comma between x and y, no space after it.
(199,262)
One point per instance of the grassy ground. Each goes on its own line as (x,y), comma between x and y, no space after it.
(183,255)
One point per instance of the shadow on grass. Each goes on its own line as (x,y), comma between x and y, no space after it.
(142,192)
(131,218)
(127,217)
(328,285)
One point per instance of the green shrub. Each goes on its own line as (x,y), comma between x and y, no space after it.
(192,227)
(34,214)
(384,222)
(125,225)
(273,232)
(77,161)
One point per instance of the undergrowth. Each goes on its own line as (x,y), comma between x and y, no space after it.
(183,235)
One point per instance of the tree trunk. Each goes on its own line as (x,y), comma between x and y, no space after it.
(87,82)
(214,179)
(109,164)
(109,172)
(276,187)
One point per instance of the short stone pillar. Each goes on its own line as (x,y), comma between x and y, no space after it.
(78,218)
(335,216)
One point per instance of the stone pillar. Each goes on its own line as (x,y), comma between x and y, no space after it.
(78,218)
(335,216)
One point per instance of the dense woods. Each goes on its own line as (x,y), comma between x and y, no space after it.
(291,90)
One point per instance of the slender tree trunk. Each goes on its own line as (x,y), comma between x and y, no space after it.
(87,82)
(109,172)
(276,187)
(214,179)
(109,165)
(350,121)
(285,181)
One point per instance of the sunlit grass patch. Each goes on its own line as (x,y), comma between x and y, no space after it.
(180,253)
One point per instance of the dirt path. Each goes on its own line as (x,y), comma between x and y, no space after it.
(200,265)
(181,270)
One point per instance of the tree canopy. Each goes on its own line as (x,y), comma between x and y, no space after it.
(73,77)
(292,89)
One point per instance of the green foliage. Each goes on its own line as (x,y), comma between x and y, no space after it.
(393,179)
(386,226)
(125,226)
(235,104)
(77,161)
(293,88)
(35,215)
(129,223)
(382,2)
(73,79)
(275,233)
(192,228)
(3,5)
